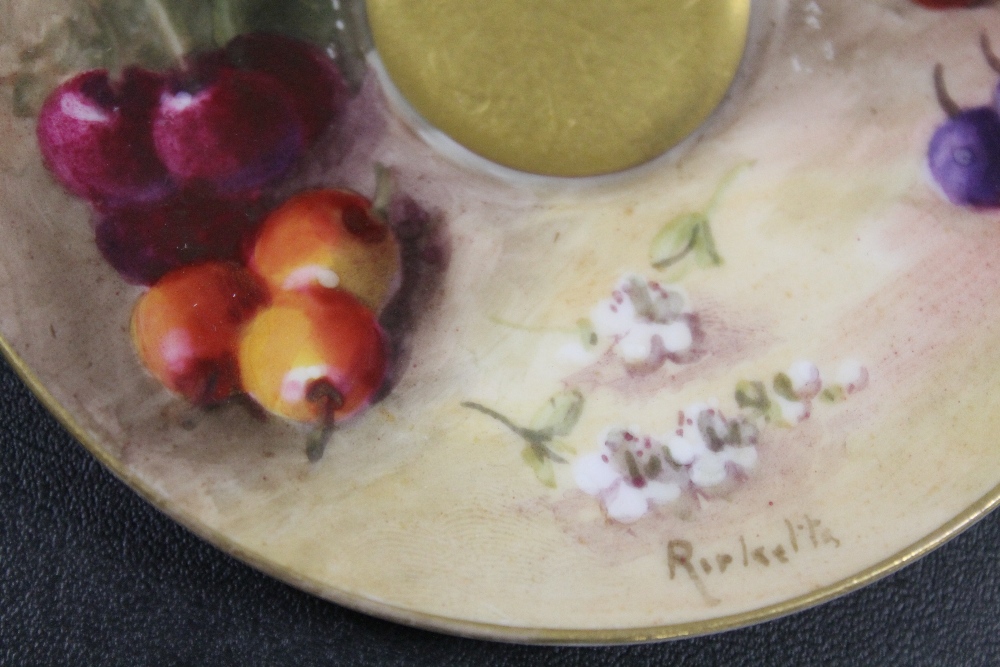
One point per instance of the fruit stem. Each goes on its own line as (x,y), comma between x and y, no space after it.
(725,184)
(991,58)
(323,394)
(223,25)
(383,193)
(167,29)
(949,105)
(209,387)
(106,28)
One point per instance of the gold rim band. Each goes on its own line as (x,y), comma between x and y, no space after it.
(486,630)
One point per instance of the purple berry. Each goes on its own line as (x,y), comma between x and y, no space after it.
(317,88)
(143,243)
(95,137)
(233,130)
(964,153)
(965,157)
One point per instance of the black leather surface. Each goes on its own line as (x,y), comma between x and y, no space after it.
(92,575)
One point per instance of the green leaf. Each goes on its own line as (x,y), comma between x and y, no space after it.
(752,396)
(783,387)
(676,240)
(30,91)
(705,252)
(691,233)
(633,466)
(560,414)
(588,336)
(541,465)
(564,447)
(653,468)
(112,34)
(669,458)
(833,394)
(638,292)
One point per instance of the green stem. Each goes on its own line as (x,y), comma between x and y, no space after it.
(724,185)
(710,248)
(639,293)
(537,440)
(171,38)
(108,31)
(223,26)
(328,399)
(383,192)
(529,329)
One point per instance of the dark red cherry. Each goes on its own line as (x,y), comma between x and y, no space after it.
(317,87)
(95,137)
(947,4)
(232,130)
(143,243)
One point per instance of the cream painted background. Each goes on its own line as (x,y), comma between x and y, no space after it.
(835,245)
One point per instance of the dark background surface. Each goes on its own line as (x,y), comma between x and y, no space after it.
(90,574)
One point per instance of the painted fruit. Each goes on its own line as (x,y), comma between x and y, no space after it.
(964,152)
(186,328)
(318,91)
(95,137)
(315,355)
(329,238)
(234,130)
(964,158)
(947,4)
(145,242)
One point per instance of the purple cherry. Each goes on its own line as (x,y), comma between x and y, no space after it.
(317,88)
(95,137)
(145,242)
(964,153)
(233,130)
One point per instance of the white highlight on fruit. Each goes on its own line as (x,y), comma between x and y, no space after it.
(178,101)
(176,348)
(311,274)
(74,107)
(295,382)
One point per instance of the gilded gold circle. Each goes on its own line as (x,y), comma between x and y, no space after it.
(562,87)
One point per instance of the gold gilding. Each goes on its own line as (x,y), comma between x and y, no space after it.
(562,87)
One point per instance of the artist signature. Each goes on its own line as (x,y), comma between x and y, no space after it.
(805,533)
